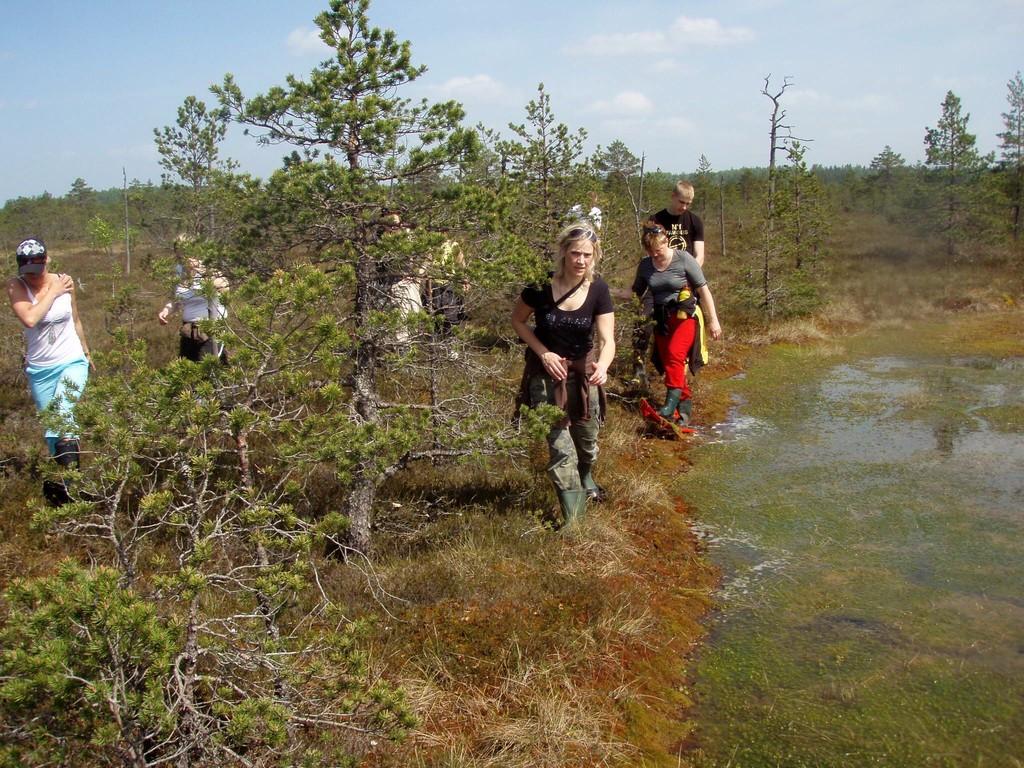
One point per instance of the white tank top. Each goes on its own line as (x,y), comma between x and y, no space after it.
(195,306)
(54,339)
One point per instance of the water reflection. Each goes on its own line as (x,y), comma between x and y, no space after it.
(748,562)
(737,425)
(871,537)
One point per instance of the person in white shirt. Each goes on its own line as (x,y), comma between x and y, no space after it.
(57,357)
(191,297)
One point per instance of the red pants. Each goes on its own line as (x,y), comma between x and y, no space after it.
(674,350)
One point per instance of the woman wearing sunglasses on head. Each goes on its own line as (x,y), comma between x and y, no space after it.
(56,356)
(563,367)
(682,304)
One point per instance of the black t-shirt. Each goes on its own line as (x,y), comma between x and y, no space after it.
(569,333)
(683,230)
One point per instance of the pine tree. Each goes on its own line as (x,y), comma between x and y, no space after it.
(544,170)
(957,167)
(363,156)
(623,172)
(81,194)
(206,493)
(616,161)
(704,186)
(1012,145)
(804,215)
(82,671)
(211,491)
(82,199)
(886,164)
(190,154)
(888,171)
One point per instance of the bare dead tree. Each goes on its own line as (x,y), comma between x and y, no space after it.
(780,136)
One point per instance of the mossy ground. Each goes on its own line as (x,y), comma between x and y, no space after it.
(521,646)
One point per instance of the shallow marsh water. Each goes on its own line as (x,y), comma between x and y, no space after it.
(866,505)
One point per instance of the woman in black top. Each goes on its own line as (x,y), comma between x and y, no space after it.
(562,366)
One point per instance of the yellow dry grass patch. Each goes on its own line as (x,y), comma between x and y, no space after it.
(536,716)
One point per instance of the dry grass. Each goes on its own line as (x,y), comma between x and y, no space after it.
(527,647)
(518,646)
(529,713)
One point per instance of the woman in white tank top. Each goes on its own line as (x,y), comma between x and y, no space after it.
(190,296)
(57,357)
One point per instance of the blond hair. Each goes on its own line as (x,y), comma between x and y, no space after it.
(684,188)
(573,233)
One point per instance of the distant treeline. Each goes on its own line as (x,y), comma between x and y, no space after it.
(153,209)
(889,187)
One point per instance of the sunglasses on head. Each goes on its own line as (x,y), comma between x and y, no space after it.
(655,230)
(579,233)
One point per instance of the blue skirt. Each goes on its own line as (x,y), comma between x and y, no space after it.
(60,385)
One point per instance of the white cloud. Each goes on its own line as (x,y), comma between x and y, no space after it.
(675,125)
(623,44)
(708,32)
(625,103)
(477,88)
(664,65)
(683,31)
(304,41)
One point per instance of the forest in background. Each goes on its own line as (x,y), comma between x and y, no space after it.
(336,549)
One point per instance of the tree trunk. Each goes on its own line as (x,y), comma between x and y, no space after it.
(721,215)
(1017,203)
(188,724)
(359,503)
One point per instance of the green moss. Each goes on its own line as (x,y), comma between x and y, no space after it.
(871,556)
(1004,418)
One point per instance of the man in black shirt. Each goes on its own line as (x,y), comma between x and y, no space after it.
(684,227)
(685,232)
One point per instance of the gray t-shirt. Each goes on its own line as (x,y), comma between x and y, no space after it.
(665,285)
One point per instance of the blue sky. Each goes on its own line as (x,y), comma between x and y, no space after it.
(86,82)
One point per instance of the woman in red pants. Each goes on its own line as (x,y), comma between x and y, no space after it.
(682,300)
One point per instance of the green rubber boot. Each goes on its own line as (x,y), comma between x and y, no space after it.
(685,411)
(595,492)
(671,401)
(573,503)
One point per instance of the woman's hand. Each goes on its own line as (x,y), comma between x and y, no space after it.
(598,374)
(715,328)
(63,285)
(555,365)
(162,316)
